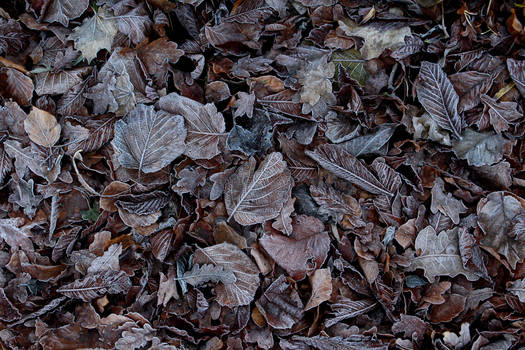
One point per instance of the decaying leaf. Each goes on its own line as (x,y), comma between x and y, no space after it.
(93,286)
(345,308)
(208,273)
(445,203)
(496,213)
(518,288)
(148,140)
(305,250)
(439,255)
(321,288)
(251,196)
(205,126)
(231,258)
(480,149)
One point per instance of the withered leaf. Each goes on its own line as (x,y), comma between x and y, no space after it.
(343,164)
(280,304)
(518,288)
(148,140)
(373,143)
(208,273)
(63,11)
(517,72)
(305,250)
(42,127)
(501,113)
(480,148)
(439,255)
(231,258)
(93,286)
(15,234)
(344,308)
(205,126)
(95,33)
(8,312)
(495,215)
(16,85)
(445,203)
(253,197)
(321,282)
(437,95)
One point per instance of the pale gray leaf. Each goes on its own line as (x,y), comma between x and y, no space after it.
(479,149)
(373,143)
(344,308)
(208,273)
(148,140)
(64,10)
(518,289)
(517,73)
(340,129)
(94,286)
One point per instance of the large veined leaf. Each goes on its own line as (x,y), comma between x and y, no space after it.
(204,124)
(16,85)
(439,255)
(480,148)
(252,197)
(95,33)
(436,93)
(64,10)
(93,286)
(231,258)
(148,140)
(343,164)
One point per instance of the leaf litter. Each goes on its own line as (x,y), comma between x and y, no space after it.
(262,174)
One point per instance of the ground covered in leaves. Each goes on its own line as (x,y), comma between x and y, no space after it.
(264,174)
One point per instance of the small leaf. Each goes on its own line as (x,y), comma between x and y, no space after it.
(91,214)
(353,64)
(42,127)
(208,273)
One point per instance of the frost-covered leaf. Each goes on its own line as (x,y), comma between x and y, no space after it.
(343,164)
(208,273)
(496,213)
(95,33)
(445,203)
(94,133)
(439,255)
(15,234)
(340,129)
(352,63)
(437,95)
(16,85)
(305,250)
(63,11)
(517,72)
(280,304)
(344,308)
(42,127)
(56,83)
(501,113)
(231,258)
(373,143)
(321,282)
(377,38)
(148,140)
(335,203)
(412,45)
(252,196)
(93,286)
(480,149)
(205,126)
(518,289)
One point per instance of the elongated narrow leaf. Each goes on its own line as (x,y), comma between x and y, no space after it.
(345,308)
(149,140)
(208,273)
(252,197)
(93,286)
(436,93)
(204,124)
(343,164)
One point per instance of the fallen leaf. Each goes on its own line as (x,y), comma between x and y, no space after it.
(321,282)
(42,127)
(480,149)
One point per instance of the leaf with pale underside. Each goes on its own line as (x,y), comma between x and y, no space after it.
(344,308)
(200,274)
(480,148)
(95,33)
(204,124)
(252,197)
(148,140)
(439,255)
(93,286)
(436,93)
(518,289)
(42,127)
(231,258)
(343,164)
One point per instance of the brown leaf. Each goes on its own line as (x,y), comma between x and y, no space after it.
(42,127)
(453,305)
(16,85)
(517,72)
(321,282)
(63,11)
(445,203)
(304,251)
(280,304)
(344,308)
(93,286)
(253,197)
(8,312)
(233,259)
(501,113)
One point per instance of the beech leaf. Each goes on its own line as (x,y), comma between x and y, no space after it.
(436,93)
(478,149)
(42,127)
(148,140)
(231,258)
(93,286)
(252,197)
(208,273)
(439,255)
